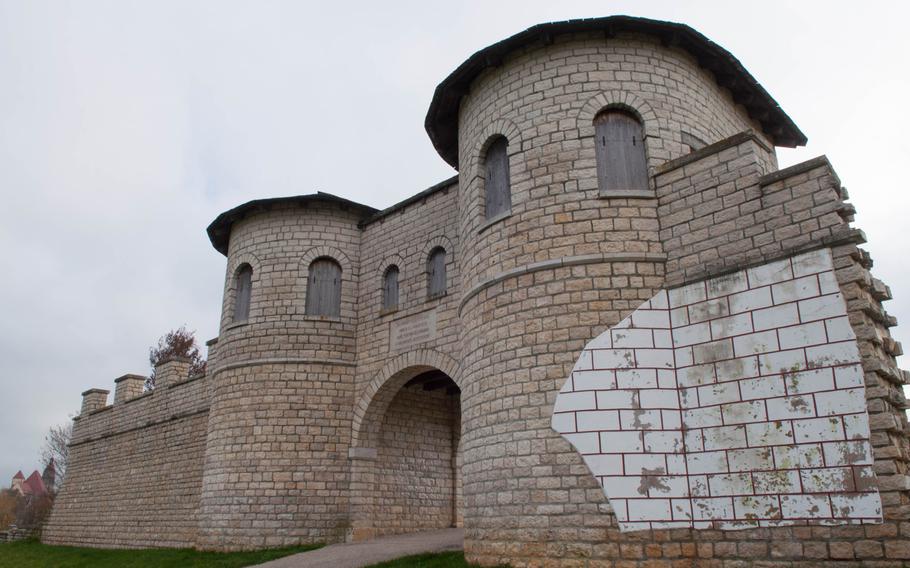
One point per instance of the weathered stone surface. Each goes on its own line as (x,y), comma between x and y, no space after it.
(769,428)
(266,459)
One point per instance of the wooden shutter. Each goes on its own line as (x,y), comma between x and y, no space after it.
(323,297)
(390,288)
(242,294)
(498,192)
(437,272)
(620,151)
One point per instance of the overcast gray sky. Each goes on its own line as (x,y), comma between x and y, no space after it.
(126,127)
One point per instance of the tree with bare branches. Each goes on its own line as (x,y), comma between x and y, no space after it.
(56,448)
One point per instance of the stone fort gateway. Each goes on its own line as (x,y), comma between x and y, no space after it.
(619,336)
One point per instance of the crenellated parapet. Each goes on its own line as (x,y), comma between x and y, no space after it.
(175,395)
(147,444)
(722,209)
(93,399)
(128,387)
(725,206)
(886,401)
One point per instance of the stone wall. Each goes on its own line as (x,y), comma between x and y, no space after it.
(736,402)
(569,263)
(416,462)
(135,469)
(276,469)
(13,534)
(405,238)
(724,207)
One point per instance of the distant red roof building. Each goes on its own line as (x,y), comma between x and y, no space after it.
(18,480)
(36,485)
(33,497)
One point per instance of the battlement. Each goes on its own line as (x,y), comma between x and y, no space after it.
(130,454)
(175,396)
(725,207)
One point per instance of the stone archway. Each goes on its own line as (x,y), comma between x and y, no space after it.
(406,459)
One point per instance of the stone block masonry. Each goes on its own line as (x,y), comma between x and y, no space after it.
(135,468)
(418,430)
(371,417)
(734,403)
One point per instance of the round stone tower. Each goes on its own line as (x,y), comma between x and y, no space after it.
(569,258)
(280,417)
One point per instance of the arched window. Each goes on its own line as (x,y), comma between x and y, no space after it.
(436,273)
(390,289)
(620,150)
(323,292)
(496,178)
(243,287)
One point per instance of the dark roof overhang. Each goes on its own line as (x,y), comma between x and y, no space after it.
(219,230)
(442,118)
(401,205)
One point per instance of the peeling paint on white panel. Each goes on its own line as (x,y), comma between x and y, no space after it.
(732,403)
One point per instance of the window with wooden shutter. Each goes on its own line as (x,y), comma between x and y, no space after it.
(323,294)
(436,273)
(620,150)
(496,179)
(390,288)
(243,289)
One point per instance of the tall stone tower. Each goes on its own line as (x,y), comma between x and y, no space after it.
(575,253)
(280,417)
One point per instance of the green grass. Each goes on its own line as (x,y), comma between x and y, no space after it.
(33,554)
(438,560)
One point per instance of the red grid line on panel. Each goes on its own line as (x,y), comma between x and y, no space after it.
(719,350)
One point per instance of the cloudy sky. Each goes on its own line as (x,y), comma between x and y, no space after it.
(126,127)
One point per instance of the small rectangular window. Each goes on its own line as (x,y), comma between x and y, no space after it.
(323,297)
(436,273)
(620,152)
(242,294)
(390,289)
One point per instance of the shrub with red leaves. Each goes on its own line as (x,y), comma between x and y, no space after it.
(176,343)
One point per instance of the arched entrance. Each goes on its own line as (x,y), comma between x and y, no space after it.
(406,461)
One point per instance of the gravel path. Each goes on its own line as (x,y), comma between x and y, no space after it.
(365,553)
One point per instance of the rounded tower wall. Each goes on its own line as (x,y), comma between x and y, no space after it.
(544,99)
(566,263)
(276,470)
(279,245)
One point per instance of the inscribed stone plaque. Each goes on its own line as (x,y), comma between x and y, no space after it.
(411,331)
